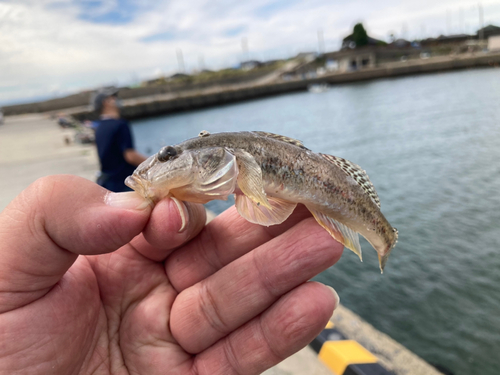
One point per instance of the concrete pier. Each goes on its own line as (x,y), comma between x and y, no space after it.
(33,146)
(393,356)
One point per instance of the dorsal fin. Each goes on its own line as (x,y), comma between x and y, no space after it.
(282,138)
(204,133)
(357,173)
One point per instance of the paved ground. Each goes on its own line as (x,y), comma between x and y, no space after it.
(33,146)
(391,354)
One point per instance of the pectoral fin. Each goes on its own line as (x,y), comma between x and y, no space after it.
(339,231)
(278,210)
(250,178)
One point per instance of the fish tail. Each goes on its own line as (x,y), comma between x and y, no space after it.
(382,259)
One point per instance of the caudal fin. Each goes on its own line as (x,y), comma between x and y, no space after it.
(382,259)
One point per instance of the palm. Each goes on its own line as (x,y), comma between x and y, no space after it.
(170,303)
(134,308)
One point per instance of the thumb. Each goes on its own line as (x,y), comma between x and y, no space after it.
(48,225)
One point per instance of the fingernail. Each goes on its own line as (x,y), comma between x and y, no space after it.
(335,295)
(183,212)
(129,200)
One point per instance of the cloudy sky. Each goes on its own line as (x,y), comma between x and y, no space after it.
(50,48)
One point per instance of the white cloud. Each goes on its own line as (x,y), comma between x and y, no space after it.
(48,44)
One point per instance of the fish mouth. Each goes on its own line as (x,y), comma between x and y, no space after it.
(141,186)
(135,184)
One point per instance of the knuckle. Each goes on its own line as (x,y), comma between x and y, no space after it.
(231,357)
(268,282)
(210,310)
(209,249)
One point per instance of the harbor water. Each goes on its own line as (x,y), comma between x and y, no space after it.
(431,146)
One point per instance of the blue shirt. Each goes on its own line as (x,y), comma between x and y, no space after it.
(113,137)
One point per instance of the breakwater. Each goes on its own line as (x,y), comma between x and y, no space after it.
(82,99)
(163,99)
(188,100)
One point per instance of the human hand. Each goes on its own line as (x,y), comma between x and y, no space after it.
(144,298)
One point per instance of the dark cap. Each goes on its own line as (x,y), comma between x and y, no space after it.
(100,95)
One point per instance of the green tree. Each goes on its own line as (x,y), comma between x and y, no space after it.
(359,35)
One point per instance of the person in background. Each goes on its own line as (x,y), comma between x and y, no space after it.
(115,144)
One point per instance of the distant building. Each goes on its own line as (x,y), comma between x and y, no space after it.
(306,56)
(270,62)
(486,32)
(400,43)
(179,75)
(494,43)
(355,59)
(377,53)
(348,42)
(332,65)
(461,39)
(154,82)
(250,64)
(446,40)
(371,56)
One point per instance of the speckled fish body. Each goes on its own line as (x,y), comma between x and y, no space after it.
(270,174)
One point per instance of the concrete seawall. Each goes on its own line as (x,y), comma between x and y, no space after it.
(82,99)
(174,97)
(213,96)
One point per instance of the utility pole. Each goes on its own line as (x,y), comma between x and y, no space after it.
(201,63)
(448,21)
(461,19)
(321,42)
(244,47)
(180,61)
(404,31)
(481,21)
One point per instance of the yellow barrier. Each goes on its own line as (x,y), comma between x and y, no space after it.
(345,357)
(337,355)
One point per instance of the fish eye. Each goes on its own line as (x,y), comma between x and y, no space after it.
(167,153)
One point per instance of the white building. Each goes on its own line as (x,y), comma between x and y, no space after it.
(494,43)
